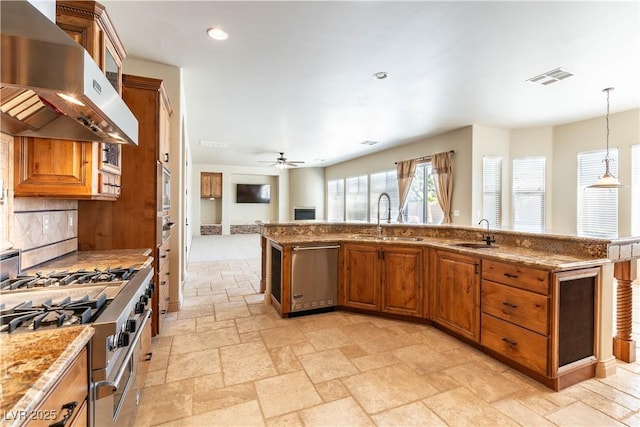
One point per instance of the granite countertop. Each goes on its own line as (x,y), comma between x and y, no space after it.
(88,260)
(546,260)
(32,362)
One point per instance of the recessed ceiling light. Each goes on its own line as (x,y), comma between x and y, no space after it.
(381,75)
(217,33)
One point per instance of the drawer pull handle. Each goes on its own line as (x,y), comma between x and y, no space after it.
(510,304)
(511,276)
(511,343)
(69,407)
(163,311)
(148,356)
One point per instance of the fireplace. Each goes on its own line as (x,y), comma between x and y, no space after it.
(304,213)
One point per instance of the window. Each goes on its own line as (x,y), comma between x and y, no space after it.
(422,202)
(597,207)
(635,190)
(335,200)
(492,190)
(384,182)
(528,194)
(356,198)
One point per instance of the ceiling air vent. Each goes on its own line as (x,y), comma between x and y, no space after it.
(369,142)
(551,76)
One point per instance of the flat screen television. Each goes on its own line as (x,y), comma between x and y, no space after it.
(253,193)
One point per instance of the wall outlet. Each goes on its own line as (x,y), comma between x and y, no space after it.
(69,220)
(456,212)
(45,224)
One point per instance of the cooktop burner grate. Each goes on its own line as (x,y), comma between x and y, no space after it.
(49,314)
(65,278)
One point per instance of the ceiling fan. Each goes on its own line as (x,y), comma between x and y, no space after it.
(283,163)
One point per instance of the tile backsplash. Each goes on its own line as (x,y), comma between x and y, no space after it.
(43,229)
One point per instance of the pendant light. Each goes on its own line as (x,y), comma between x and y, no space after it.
(607,180)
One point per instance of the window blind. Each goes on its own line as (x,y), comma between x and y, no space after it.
(597,207)
(380,182)
(492,190)
(335,200)
(356,198)
(635,190)
(528,193)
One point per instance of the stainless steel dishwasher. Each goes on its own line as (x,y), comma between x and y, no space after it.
(314,277)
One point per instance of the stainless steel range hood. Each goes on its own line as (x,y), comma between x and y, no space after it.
(50,86)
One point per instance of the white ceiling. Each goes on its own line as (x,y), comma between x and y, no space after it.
(297,76)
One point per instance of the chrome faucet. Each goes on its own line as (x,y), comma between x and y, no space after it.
(487,238)
(379,234)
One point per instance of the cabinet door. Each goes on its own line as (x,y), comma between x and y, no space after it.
(52,167)
(216,185)
(205,185)
(457,294)
(163,136)
(362,277)
(402,281)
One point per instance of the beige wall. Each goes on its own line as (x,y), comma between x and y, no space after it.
(238,213)
(587,135)
(307,189)
(459,140)
(489,141)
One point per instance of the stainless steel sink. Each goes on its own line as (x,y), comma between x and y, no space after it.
(401,238)
(385,238)
(474,245)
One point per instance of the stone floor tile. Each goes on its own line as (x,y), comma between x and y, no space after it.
(203,340)
(197,311)
(250,336)
(344,412)
(327,365)
(580,414)
(332,390)
(387,387)
(178,327)
(276,394)
(424,359)
(155,378)
(612,393)
(461,407)
(206,401)
(167,402)
(246,362)
(287,420)
(326,339)
(484,383)
(599,402)
(231,310)
(207,383)
(245,414)
(375,361)
(279,337)
(194,364)
(285,360)
(208,323)
(413,414)
(521,414)
(254,323)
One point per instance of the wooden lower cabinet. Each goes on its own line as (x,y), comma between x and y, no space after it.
(163,295)
(72,387)
(383,278)
(456,293)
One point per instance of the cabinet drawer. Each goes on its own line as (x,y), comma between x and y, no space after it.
(518,344)
(72,387)
(527,278)
(523,308)
(163,254)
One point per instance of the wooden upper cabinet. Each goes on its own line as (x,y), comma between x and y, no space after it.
(88,23)
(76,169)
(210,185)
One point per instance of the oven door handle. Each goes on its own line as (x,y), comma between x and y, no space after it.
(127,358)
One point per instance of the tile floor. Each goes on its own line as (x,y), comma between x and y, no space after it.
(228,359)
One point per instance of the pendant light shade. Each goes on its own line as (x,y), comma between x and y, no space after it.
(607,180)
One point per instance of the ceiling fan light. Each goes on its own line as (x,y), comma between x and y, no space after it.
(607,181)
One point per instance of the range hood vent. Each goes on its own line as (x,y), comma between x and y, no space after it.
(50,87)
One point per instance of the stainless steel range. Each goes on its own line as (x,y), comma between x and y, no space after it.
(114,301)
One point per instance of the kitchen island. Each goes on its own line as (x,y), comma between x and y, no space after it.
(517,299)
(32,365)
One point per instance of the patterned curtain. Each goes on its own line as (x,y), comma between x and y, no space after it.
(441,164)
(406,170)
